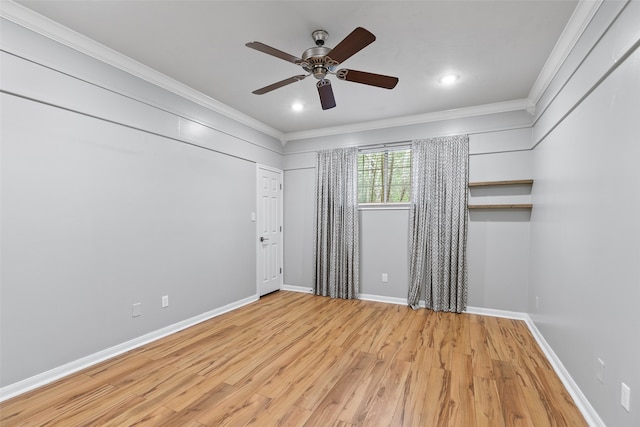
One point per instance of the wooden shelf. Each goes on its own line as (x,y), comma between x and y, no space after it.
(503,206)
(496,206)
(497,183)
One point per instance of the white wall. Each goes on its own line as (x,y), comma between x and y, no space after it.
(298,226)
(585,234)
(109,201)
(384,248)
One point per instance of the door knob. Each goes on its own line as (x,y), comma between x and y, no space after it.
(262,239)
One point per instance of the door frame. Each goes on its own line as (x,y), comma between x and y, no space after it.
(257,225)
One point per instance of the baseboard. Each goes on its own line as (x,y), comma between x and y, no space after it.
(588,412)
(47,377)
(293,288)
(380,298)
(365,297)
(498,313)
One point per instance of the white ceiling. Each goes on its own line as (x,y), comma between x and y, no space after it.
(498,48)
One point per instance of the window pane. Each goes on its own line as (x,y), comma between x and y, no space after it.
(370,177)
(398,176)
(384,177)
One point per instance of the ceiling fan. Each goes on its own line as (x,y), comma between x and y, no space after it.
(320,61)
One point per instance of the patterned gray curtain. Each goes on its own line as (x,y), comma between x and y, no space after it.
(336,234)
(438,223)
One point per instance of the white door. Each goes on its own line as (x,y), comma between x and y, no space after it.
(269,230)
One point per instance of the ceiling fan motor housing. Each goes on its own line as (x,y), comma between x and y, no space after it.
(315,61)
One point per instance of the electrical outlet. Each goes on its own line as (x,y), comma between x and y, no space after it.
(537,302)
(137,309)
(385,278)
(600,371)
(625,397)
(165,301)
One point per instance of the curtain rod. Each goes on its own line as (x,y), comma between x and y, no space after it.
(383,145)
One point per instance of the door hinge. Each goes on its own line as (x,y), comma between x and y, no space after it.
(281,229)
(281,186)
(280,270)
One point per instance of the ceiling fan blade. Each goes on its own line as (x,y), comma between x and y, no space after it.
(352,44)
(273,52)
(371,79)
(326,94)
(278,84)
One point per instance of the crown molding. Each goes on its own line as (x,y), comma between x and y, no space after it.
(582,15)
(46,27)
(479,110)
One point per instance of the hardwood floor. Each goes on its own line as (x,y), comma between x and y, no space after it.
(294,359)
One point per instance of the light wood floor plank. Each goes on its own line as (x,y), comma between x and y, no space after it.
(343,391)
(488,409)
(410,404)
(512,399)
(57,415)
(57,394)
(154,418)
(182,393)
(107,412)
(435,408)
(295,359)
(355,407)
(299,377)
(480,353)
(295,417)
(324,383)
(386,397)
(462,392)
(206,406)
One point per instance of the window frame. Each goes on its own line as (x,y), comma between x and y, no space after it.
(385,173)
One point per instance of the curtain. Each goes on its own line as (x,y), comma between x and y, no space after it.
(438,223)
(336,234)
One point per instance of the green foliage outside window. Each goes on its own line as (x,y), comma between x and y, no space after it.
(384,176)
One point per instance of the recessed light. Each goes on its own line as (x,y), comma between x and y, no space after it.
(296,106)
(449,79)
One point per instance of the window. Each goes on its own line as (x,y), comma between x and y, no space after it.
(384,176)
